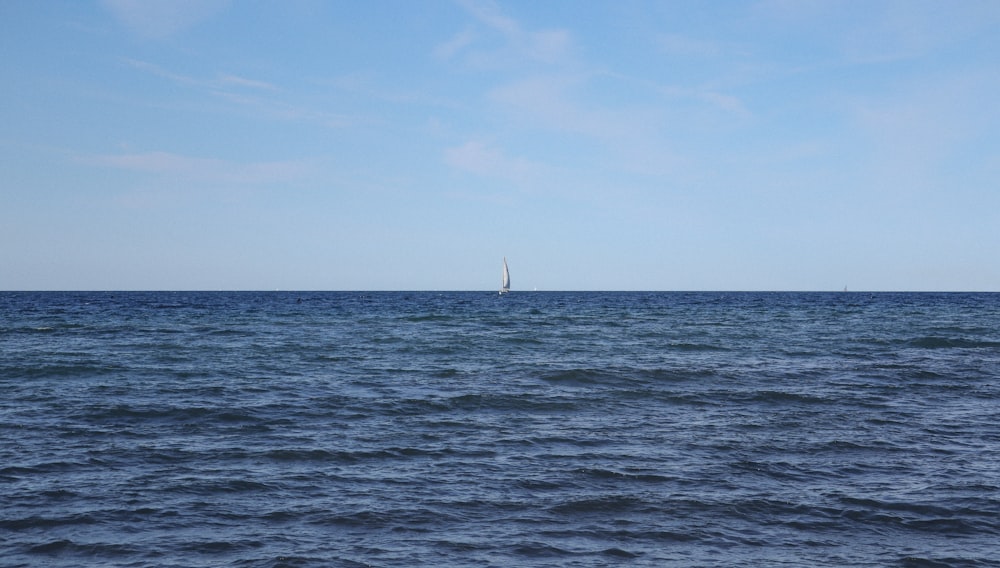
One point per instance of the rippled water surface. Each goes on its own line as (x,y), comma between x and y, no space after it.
(467,429)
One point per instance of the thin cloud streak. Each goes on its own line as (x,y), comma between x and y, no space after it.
(159,19)
(237,81)
(261,97)
(680,45)
(221,81)
(635,139)
(549,47)
(728,103)
(205,170)
(481,159)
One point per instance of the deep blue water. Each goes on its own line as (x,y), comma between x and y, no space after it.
(466,429)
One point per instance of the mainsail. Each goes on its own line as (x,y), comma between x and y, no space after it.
(505,283)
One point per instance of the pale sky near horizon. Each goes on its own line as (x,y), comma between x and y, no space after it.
(410,145)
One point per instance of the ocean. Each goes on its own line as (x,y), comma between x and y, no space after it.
(301,429)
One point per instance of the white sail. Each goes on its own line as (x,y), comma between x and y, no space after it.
(505,283)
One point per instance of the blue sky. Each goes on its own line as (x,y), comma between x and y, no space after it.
(388,145)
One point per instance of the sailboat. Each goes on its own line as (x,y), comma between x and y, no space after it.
(505,283)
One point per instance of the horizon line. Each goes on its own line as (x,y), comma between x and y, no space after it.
(430,290)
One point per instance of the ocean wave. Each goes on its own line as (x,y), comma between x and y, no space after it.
(75,370)
(37,522)
(604,505)
(938,342)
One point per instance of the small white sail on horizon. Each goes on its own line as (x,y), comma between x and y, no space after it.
(505,282)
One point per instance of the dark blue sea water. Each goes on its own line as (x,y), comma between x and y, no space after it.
(467,429)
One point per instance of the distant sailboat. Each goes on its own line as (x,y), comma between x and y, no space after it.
(505,283)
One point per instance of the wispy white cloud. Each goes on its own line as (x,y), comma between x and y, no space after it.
(729,104)
(243,82)
(158,19)
(489,13)
(455,45)
(552,46)
(222,80)
(482,159)
(633,139)
(890,31)
(686,46)
(911,29)
(561,95)
(153,69)
(207,170)
(546,100)
(555,102)
(264,107)
(263,98)
(368,86)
